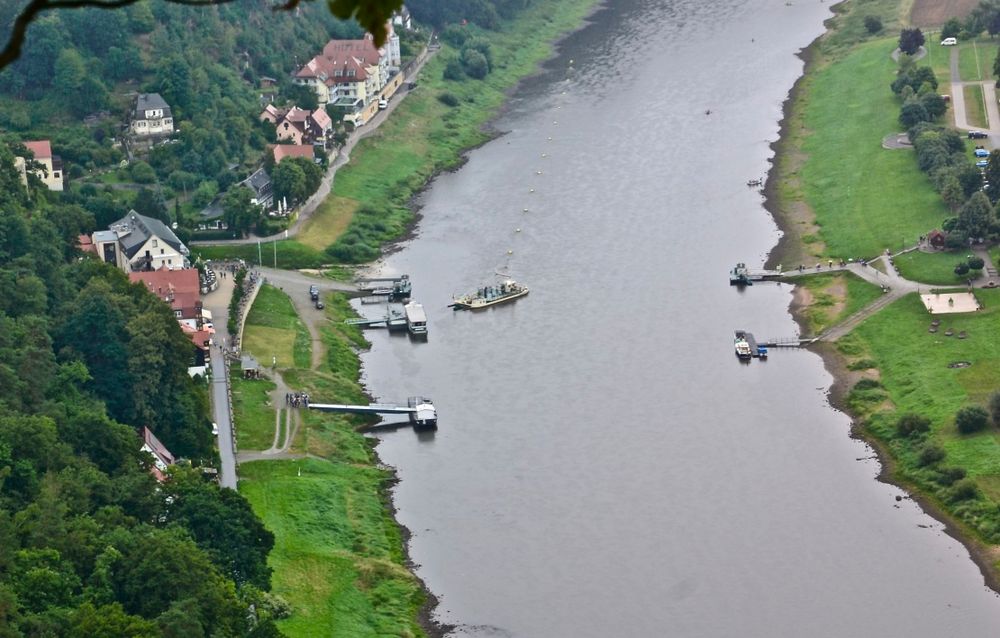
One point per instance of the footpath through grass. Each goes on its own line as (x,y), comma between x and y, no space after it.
(834,297)
(975,107)
(865,198)
(338,555)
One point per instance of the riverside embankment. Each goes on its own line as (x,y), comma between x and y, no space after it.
(604,465)
(340,558)
(836,193)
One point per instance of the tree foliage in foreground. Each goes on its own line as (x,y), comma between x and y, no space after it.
(90,543)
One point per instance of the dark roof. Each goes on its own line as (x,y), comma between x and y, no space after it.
(134,229)
(147,101)
(259,181)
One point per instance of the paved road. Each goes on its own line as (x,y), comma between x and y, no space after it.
(958,103)
(217,303)
(343,156)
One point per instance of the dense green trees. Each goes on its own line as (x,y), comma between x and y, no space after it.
(910,40)
(90,544)
(971,418)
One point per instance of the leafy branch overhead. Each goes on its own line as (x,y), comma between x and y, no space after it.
(372,15)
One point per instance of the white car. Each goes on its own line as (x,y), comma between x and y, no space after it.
(383,104)
(215,429)
(949,42)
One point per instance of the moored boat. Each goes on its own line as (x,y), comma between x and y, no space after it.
(488,296)
(743,350)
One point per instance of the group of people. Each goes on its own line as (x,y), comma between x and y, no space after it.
(296,399)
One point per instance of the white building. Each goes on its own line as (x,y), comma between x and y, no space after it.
(151,116)
(136,242)
(52,175)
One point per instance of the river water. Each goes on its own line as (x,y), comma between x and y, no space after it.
(604,465)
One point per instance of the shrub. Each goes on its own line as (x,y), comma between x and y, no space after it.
(950,475)
(963,490)
(867,384)
(873,24)
(951,29)
(975,263)
(971,418)
(448,99)
(910,424)
(961,268)
(930,454)
(453,71)
(995,408)
(862,364)
(475,64)
(913,112)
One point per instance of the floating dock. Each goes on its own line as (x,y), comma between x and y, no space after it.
(757,350)
(395,288)
(420,410)
(740,275)
(394,320)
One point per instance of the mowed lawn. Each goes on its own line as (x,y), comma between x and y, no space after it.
(255,426)
(932,268)
(975,59)
(273,329)
(914,370)
(975,107)
(865,198)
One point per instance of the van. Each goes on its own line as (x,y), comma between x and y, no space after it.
(949,42)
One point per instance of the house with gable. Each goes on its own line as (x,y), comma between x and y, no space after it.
(52,173)
(298,126)
(136,242)
(281,151)
(151,116)
(354,75)
(260,185)
(162,458)
(180,289)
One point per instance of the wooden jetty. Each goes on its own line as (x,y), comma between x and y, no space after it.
(420,410)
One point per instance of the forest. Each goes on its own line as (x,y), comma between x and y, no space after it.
(90,543)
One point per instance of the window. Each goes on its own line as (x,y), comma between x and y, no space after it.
(161,251)
(154,243)
(55,174)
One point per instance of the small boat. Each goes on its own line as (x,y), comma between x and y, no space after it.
(743,350)
(740,276)
(416,319)
(488,296)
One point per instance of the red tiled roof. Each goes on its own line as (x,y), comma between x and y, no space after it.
(281,151)
(180,288)
(41,148)
(86,244)
(158,450)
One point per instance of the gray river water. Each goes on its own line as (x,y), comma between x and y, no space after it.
(604,465)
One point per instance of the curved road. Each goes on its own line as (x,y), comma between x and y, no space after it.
(307,209)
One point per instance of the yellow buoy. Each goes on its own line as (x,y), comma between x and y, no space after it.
(510,252)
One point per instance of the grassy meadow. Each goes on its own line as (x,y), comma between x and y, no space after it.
(834,297)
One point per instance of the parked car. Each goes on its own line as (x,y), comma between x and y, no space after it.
(215,429)
(977,135)
(383,104)
(313,293)
(982,163)
(319,305)
(949,42)
(981,152)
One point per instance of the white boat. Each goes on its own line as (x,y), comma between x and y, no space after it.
(416,319)
(488,296)
(743,350)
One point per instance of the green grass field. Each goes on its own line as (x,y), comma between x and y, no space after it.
(975,107)
(255,425)
(291,254)
(865,198)
(273,329)
(338,556)
(931,268)
(975,59)
(914,371)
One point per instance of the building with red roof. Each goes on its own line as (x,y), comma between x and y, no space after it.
(52,175)
(281,151)
(179,288)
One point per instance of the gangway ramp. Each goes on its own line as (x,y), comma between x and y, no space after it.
(421,410)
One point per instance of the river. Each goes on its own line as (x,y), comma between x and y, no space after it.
(604,465)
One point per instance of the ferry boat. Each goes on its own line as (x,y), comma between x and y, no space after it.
(416,319)
(743,350)
(488,296)
(740,276)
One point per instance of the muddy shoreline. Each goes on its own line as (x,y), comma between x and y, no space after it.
(789,247)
